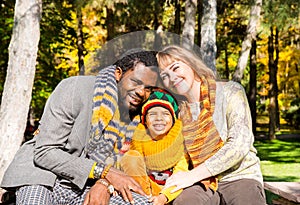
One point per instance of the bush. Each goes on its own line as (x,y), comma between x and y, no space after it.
(292,115)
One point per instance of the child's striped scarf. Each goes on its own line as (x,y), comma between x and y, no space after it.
(107,132)
(201,137)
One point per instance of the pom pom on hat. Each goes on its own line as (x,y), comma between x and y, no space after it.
(162,98)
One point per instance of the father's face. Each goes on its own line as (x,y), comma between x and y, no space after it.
(133,86)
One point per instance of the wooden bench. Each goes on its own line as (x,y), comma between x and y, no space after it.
(288,192)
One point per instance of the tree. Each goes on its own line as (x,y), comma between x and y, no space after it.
(250,36)
(273,91)
(253,86)
(6,22)
(80,41)
(16,98)
(188,32)
(280,16)
(177,25)
(208,33)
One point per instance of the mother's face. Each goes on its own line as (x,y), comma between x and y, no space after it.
(178,77)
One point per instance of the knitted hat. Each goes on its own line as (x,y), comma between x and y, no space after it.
(162,98)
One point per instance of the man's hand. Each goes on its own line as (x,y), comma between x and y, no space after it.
(124,184)
(158,200)
(97,195)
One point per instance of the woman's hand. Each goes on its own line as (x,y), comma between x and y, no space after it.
(179,181)
(124,184)
(98,195)
(158,200)
(185,179)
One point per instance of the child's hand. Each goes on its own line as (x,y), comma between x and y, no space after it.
(158,200)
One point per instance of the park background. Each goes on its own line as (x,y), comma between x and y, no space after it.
(256,43)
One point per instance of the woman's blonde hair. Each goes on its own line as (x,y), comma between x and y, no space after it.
(173,53)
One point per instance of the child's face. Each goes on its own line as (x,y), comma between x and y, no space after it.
(159,121)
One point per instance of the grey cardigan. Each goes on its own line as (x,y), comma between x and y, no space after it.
(58,149)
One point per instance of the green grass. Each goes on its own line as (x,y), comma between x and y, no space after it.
(280,159)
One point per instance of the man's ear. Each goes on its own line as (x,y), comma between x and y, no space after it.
(118,74)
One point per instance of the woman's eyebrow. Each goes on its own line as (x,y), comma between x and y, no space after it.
(172,65)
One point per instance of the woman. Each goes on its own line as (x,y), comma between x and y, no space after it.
(211,110)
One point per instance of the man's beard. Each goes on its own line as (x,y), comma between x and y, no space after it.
(128,113)
(135,111)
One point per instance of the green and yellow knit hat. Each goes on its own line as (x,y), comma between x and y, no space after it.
(162,98)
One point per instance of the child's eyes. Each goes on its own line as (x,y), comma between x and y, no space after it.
(155,114)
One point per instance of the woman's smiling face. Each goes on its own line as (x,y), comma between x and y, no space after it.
(178,77)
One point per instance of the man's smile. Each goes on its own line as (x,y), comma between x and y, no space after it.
(134,99)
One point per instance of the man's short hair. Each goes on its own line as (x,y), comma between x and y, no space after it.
(148,58)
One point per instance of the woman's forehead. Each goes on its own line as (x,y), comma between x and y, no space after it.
(166,61)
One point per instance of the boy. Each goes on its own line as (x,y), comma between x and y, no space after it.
(157,149)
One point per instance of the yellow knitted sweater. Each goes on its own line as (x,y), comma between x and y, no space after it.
(162,154)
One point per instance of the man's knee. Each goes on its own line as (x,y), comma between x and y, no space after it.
(34,194)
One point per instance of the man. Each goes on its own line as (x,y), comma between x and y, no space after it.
(85,126)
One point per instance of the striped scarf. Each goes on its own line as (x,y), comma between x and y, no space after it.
(201,137)
(109,137)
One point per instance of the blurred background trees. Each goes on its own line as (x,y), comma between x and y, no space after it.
(70,31)
(256,43)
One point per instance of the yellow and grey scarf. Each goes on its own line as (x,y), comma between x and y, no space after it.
(109,137)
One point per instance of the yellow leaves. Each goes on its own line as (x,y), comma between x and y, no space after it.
(232,62)
(168,14)
(95,36)
(93,27)
(287,69)
(288,75)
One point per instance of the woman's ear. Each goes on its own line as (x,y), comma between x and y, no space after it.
(118,74)
(197,78)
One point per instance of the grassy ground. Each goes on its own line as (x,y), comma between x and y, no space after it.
(280,159)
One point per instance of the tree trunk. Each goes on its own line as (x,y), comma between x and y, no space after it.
(208,33)
(276,84)
(157,18)
(110,24)
(226,61)
(80,42)
(246,45)
(199,10)
(188,32)
(227,72)
(177,26)
(272,89)
(253,89)
(19,80)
